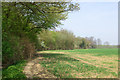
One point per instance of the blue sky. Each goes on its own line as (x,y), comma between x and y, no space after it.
(97,19)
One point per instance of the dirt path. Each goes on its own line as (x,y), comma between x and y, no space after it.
(34,69)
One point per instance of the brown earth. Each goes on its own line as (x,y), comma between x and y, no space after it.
(34,69)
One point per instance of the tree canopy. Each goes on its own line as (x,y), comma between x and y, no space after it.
(34,16)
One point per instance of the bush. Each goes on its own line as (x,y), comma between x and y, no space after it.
(16,49)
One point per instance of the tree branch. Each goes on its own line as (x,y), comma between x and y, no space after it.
(60,11)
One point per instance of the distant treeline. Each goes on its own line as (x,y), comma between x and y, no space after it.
(107,46)
(65,40)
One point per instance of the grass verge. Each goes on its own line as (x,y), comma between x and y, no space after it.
(14,71)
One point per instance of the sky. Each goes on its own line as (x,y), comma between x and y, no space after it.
(97,19)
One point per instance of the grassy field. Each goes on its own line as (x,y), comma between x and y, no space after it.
(81,63)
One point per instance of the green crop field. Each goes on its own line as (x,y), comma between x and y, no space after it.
(81,63)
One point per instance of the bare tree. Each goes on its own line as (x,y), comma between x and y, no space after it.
(99,42)
(106,43)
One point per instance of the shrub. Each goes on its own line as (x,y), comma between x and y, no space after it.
(16,49)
